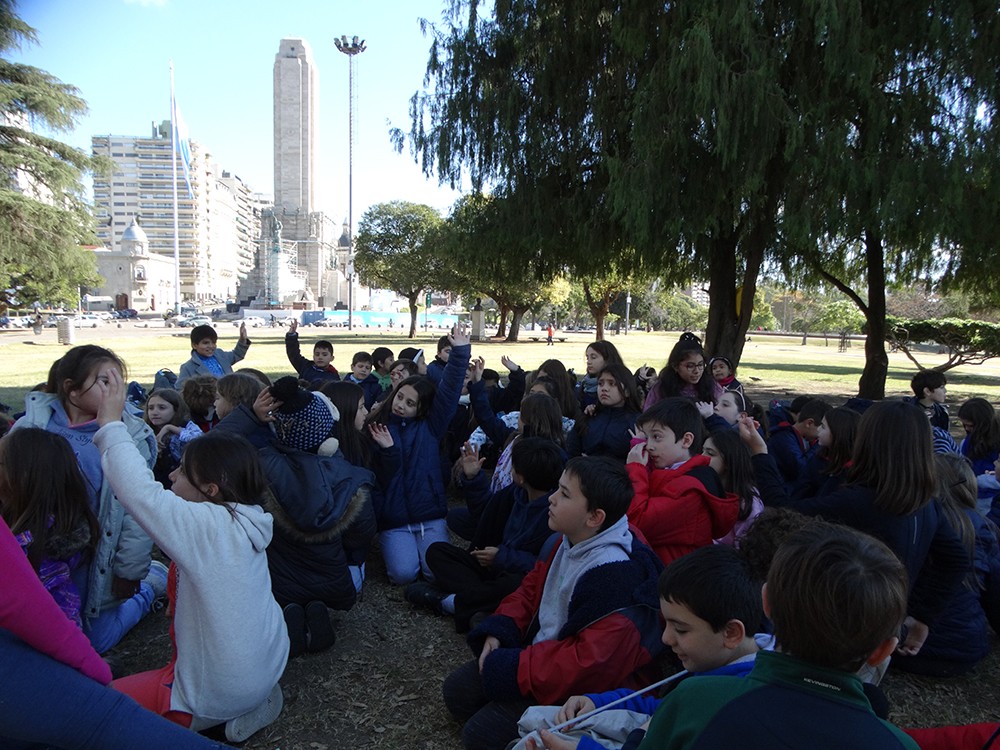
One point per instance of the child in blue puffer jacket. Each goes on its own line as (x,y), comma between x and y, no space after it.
(412,508)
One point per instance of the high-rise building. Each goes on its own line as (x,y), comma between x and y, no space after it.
(217,226)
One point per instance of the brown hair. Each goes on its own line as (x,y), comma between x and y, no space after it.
(240,388)
(893,458)
(228,461)
(843,424)
(835,595)
(199,394)
(43,491)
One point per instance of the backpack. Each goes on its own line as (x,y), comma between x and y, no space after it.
(165,378)
(136,394)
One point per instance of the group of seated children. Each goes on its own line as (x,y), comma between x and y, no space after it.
(605,520)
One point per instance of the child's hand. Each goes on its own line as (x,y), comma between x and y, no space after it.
(485,556)
(490,645)
(471,462)
(575,706)
(637,455)
(243,333)
(264,406)
(293,326)
(705,408)
(166,432)
(749,435)
(589,409)
(509,363)
(477,366)
(916,634)
(113,391)
(458,336)
(380,434)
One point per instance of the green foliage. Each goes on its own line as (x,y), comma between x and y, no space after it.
(966,341)
(398,248)
(849,143)
(840,316)
(763,316)
(482,257)
(42,224)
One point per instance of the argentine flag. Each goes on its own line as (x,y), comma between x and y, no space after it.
(183,146)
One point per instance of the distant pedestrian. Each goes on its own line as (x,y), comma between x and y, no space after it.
(37,325)
(548,335)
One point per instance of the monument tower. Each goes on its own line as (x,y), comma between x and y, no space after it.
(296,257)
(295,107)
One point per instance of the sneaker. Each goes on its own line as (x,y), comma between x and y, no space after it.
(424,595)
(157,580)
(321,635)
(243,727)
(295,621)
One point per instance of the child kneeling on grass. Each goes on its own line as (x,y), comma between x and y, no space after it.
(585,619)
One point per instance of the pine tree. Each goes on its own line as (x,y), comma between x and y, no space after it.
(44,215)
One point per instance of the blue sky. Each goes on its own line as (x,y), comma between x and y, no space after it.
(117,53)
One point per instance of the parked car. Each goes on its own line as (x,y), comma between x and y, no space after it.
(87,320)
(194,320)
(251,321)
(323,322)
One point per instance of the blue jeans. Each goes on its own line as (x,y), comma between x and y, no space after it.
(109,627)
(405,549)
(46,703)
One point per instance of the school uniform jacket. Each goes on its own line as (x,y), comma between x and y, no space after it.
(416,493)
(783,703)
(935,560)
(195,366)
(611,633)
(679,510)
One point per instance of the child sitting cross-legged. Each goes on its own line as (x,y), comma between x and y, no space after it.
(837,599)
(511,531)
(585,619)
(679,502)
(711,607)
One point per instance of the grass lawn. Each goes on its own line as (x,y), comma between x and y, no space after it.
(772,365)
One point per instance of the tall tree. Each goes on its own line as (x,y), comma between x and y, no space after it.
(398,249)
(483,257)
(44,216)
(882,188)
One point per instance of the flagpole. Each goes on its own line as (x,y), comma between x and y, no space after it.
(173,184)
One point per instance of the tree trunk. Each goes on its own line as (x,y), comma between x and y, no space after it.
(515,322)
(502,319)
(872,382)
(598,308)
(413,314)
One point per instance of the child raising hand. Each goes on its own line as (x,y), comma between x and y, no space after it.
(230,643)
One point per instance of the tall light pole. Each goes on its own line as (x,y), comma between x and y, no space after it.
(351,47)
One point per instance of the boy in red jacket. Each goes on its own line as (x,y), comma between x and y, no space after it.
(679,504)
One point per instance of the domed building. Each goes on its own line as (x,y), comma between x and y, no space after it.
(133,277)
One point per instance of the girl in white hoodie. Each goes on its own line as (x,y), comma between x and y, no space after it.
(230,642)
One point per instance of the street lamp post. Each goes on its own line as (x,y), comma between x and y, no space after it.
(351,47)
